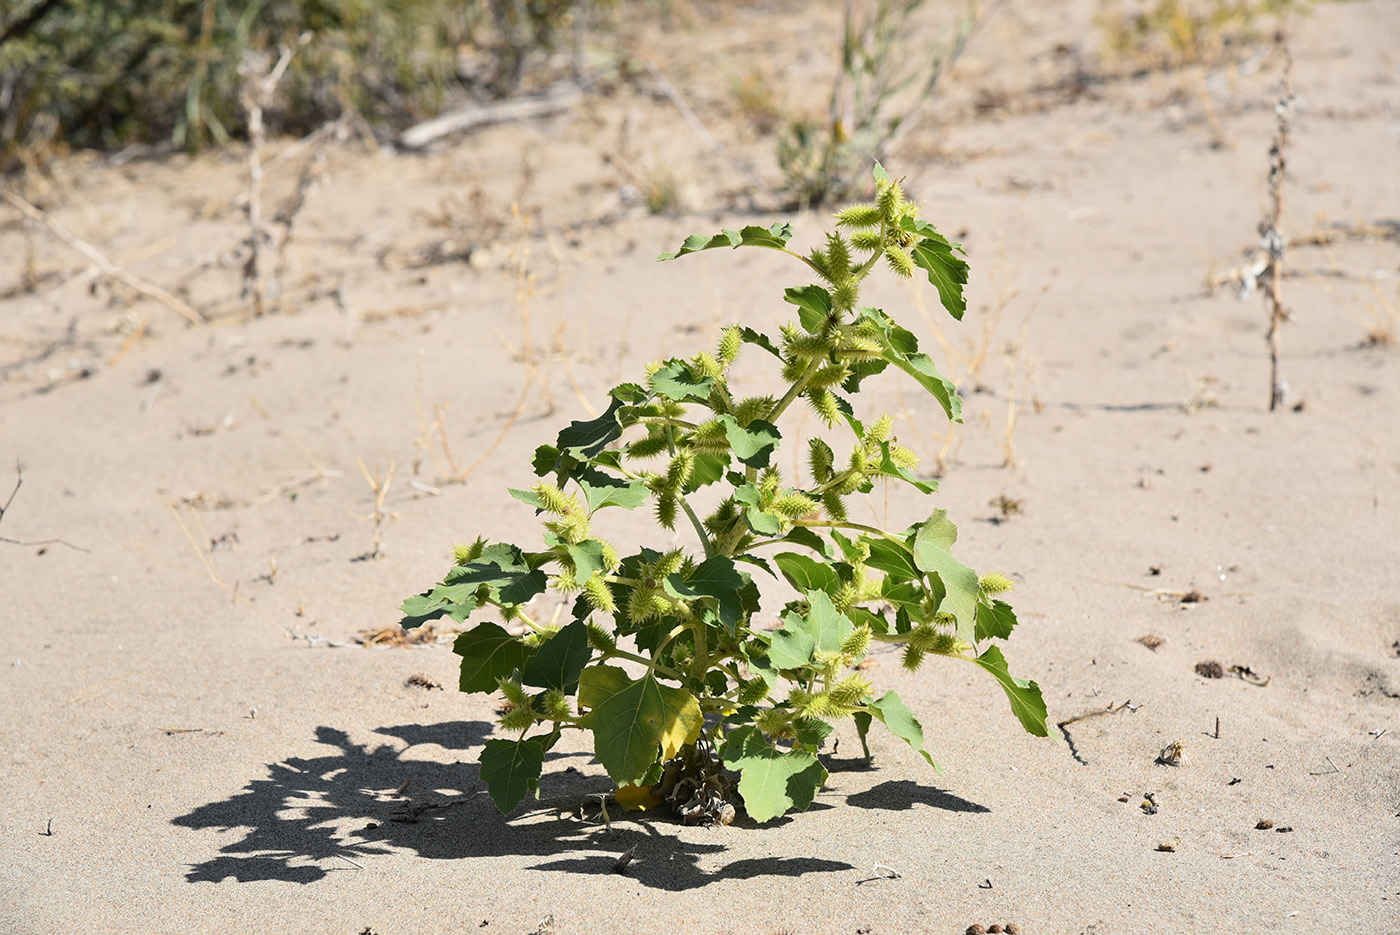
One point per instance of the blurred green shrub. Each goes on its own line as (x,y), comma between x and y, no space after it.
(105,73)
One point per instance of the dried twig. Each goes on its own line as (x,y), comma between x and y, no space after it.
(380,485)
(1273,240)
(558,98)
(1095,712)
(108,268)
(19,479)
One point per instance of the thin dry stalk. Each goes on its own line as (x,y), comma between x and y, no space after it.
(566,358)
(380,484)
(1273,240)
(287,216)
(255,96)
(108,268)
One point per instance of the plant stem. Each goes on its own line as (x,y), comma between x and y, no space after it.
(699,526)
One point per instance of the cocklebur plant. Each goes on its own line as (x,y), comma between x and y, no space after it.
(663,659)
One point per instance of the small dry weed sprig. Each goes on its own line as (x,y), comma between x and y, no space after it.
(1271,236)
(379,484)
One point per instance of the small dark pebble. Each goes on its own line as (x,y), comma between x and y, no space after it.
(975,929)
(995,928)
(1210,669)
(1264,824)
(1284,829)
(371,826)
(1011,928)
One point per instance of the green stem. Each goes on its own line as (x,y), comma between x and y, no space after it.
(828,524)
(699,526)
(651,664)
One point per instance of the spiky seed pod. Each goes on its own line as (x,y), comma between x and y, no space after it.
(844,597)
(775,723)
(710,436)
(945,620)
(514,694)
(703,365)
(510,612)
(668,564)
(731,341)
(752,407)
(639,606)
(611,560)
(923,637)
(793,370)
(900,261)
(565,582)
(828,662)
(823,403)
(820,261)
(557,706)
(867,241)
(820,459)
(793,505)
(889,199)
(829,375)
(851,691)
(466,554)
(881,428)
(573,528)
(537,638)
(553,500)
(903,457)
(679,470)
(649,447)
(651,368)
(666,510)
(671,409)
(808,347)
(723,517)
(600,639)
(598,594)
(947,645)
(838,257)
(859,216)
(856,347)
(687,567)
(753,691)
(913,658)
(827,707)
(995,583)
(769,480)
(661,606)
(517,719)
(856,642)
(845,294)
(835,507)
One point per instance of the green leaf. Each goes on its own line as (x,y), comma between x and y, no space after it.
(584,440)
(601,490)
(715,578)
(455,601)
(753,444)
(629,718)
(1026,700)
(759,339)
(895,715)
(881,176)
(814,305)
(995,621)
(765,524)
(772,781)
(828,626)
(528,496)
(775,237)
(824,628)
(890,469)
(559,660)
(863,721)
(807,574)
(933,553)
(709,467)
(587,557)
(811,731)
(891,558)
(675,381)
(488,653)
(511,769)
(901,349)
(803,536)
(947,272)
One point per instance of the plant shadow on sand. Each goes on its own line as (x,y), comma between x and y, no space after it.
(310,817)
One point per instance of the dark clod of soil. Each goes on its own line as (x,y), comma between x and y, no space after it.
(975,929)
(1152,641)
(1210,669)
(1193,597)
(1263,824)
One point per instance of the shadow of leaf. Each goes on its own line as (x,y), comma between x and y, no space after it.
(900,794)
(311,816)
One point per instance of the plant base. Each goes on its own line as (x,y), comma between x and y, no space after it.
(695,787)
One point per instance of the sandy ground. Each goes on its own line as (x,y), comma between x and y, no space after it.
(194,742)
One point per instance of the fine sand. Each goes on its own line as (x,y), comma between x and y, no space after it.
(194,741)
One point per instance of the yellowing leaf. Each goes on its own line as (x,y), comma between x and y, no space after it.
(636,798)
